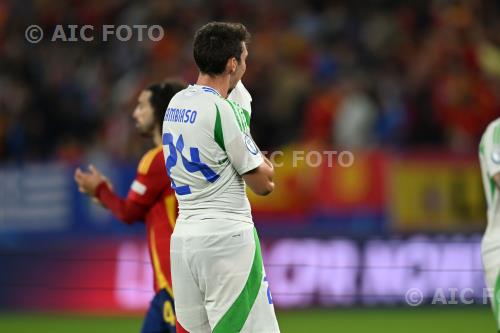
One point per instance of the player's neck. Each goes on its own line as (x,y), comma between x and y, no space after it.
(157,137)
(219,83)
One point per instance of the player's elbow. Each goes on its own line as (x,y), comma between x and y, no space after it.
(265,189)
(261,189)
(127,219)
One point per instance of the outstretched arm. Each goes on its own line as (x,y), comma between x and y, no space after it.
(98,187)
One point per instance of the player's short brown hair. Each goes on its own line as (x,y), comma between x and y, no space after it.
(217,42)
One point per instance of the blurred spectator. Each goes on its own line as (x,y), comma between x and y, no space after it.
(355,120)
(430,73)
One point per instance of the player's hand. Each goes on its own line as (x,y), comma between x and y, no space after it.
(88,181)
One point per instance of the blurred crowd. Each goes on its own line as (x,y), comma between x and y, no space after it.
(374,74)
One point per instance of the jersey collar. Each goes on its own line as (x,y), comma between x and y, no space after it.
(209,90)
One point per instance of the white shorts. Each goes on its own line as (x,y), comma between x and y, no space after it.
(219,281)
(491,264)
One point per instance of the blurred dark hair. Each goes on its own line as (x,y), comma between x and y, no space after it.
(217,42)
(161,94)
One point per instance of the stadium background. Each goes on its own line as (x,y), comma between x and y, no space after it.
(408,87)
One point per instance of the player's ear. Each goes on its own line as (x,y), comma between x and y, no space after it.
(231,65)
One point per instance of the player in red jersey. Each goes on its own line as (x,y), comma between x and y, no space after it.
(150,199)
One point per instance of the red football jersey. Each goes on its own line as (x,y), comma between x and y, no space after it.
(152,200)
(151,188)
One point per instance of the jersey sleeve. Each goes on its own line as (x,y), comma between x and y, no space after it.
(126,211)
(150,180)
(233,133)
(490,149)
(240,95)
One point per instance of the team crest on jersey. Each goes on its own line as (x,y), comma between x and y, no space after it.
(251,145)
(495,156)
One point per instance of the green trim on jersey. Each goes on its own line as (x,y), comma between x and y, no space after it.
(247,116)
(218,134)
(234,319)
(239,113)
(223,161)
(496,135)
(492,182)
(496,301)
(493,187)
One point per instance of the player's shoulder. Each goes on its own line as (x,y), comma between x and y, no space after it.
(490,137)
(212,101)
(241,89)
(491,134)
(240,95)
(493,126)
(232,110)
(153,158)
(198,97)
(196,93)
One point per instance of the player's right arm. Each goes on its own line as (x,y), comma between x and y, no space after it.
(149,183)
(260,180)
(243,153)
(99,188)
(124,210)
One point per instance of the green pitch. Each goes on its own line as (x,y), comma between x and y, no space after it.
(384,320)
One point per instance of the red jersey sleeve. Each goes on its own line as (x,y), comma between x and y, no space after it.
(151,179)
(125,210)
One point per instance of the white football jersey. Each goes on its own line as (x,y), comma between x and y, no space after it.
(489,158)
(208,147)
(240,95)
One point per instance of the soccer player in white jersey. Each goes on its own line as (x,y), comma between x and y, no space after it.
(489,157)
(218,275)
